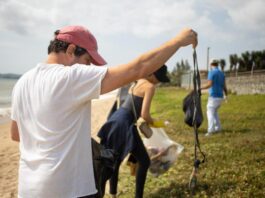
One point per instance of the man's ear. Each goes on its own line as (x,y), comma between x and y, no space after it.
(70,50)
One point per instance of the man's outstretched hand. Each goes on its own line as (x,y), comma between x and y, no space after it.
(188,36)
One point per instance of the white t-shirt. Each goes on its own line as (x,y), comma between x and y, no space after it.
(52,106)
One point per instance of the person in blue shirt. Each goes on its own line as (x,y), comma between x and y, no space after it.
(217,88)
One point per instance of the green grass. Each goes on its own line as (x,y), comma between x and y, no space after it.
(235,164)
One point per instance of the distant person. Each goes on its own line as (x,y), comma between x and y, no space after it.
(51,110)
(120,134)
(217,85)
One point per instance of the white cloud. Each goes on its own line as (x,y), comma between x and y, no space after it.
(22,18)
(223,24)
(245,14)
(142,18)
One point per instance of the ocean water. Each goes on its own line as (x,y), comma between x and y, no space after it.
(6,87)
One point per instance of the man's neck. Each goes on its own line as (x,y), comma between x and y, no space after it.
(214,67)
(56,58)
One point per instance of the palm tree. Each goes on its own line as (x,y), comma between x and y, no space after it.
(257,57)
(241,64)
(262,60)
(233,61)
(222,64)
(247,62)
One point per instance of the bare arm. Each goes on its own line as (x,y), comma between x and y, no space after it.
(207,85)
(14,131)
(225,89)
(146,63)
(148,96)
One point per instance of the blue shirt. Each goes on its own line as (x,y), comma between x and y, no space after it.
(218,79)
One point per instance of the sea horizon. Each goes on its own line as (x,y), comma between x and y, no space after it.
(6,87)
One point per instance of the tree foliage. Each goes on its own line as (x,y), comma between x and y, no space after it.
(247,61)
(179,69)
(222,64)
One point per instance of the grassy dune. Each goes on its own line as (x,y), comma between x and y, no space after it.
(235,164)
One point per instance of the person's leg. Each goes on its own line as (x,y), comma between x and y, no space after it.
(210,115)
(215,117)
(113,182)
(141,155)
(217,124)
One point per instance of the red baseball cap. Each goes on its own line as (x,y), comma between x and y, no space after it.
(80,36)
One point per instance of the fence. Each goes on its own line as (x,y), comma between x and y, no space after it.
(237,82)
(248,73)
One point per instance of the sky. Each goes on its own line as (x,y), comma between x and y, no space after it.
(127,28)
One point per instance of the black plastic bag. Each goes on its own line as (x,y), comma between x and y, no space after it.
(103,163)
(191,116)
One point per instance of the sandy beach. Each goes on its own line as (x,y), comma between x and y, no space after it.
(9,151)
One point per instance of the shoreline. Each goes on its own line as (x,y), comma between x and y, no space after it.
(5,111)
(4,120)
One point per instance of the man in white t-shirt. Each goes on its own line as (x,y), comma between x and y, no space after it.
(51,110)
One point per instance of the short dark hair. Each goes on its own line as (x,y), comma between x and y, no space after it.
(214,64)
(61,46)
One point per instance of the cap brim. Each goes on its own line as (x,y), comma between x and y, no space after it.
(162,79)
(165,79)
(96,58)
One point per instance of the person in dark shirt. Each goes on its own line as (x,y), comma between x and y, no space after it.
(120,133)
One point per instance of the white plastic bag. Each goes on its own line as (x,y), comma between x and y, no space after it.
(162,150)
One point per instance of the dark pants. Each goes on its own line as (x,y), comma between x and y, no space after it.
(141,155)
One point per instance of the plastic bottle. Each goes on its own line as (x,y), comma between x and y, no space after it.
(160,124)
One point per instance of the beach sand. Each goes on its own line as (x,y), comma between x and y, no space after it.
(9,150)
